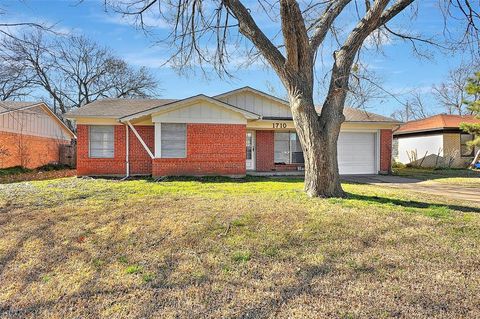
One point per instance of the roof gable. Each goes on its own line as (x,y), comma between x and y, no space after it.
(200,111)
(256,101)
(188,102)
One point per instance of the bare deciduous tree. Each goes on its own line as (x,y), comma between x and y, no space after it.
(14,81)
(75,71)
(413,109)
(451,93)
(303,30)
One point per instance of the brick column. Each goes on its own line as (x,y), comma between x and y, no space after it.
(385,151)
(265,151)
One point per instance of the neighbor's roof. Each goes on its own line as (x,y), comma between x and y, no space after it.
(12,106)
(9,106)
(435,123)
(117,108)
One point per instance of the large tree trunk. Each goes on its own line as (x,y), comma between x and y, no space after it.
(318,138)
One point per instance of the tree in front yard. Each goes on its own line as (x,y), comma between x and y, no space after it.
(292,38)
(472,89)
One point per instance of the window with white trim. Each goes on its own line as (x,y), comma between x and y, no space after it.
(173,140)
(101,141)
(287,148)
(465,149)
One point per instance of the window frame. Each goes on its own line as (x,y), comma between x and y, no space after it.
(90,142)
(472,151)
(161,140)
(290,153)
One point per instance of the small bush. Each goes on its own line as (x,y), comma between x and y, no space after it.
(14,170)
(396,164)
(53,167)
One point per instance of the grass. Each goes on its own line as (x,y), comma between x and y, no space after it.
(465,177)
(219,248)
(49,171)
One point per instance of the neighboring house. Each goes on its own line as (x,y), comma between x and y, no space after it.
(436,141)
(30,134)
(232,134)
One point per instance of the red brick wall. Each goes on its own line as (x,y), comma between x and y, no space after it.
(264,151)
(385,151)
(140,161)
(212,149)
(100,166)
(28,150)
(265,144)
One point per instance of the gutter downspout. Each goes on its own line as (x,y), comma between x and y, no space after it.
(127,164)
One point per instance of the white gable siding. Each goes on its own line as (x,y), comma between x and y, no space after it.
(34,122)
(421,144)
(202,112)
(257,103)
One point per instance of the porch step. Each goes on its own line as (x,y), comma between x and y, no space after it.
(275,173)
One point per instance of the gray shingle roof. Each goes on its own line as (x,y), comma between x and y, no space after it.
(117,108)
(7,106)
(359,115)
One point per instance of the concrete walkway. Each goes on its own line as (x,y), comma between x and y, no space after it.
(457,192)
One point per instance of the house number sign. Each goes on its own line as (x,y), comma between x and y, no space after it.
(279,125)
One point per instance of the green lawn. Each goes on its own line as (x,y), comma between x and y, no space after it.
(254,248)
(466,177)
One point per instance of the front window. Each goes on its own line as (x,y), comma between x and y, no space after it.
(287,148)
(465,150)
(101,143)
(173,140)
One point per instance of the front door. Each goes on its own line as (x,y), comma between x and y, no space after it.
(250,148)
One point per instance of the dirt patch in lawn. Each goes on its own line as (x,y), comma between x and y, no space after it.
(259,248)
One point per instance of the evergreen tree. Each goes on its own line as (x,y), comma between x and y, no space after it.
(473,90)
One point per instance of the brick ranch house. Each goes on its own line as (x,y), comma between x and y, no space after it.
(31,135)
(233,134)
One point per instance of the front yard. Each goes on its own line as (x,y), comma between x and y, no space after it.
(256,248)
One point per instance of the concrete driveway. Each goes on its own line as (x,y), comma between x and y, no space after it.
(457,192)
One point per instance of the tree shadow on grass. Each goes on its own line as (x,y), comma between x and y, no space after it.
(411,204)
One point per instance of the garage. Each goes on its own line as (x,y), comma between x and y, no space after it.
(357,153)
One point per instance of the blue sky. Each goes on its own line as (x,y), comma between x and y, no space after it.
(399,70)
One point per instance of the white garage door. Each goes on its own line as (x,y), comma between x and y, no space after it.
(356,153)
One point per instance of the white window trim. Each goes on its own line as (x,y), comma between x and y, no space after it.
(160,140)
(290,154)
(90,139)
